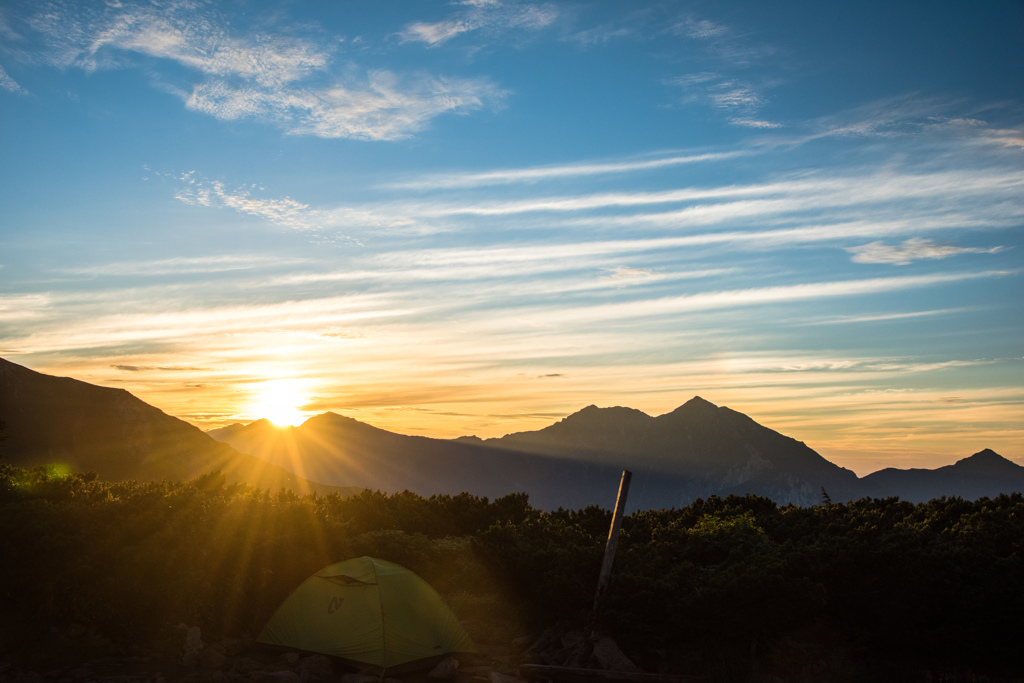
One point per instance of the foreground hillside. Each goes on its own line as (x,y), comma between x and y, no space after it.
(109,432)
(737,588)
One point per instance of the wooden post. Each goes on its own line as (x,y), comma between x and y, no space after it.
(613,538)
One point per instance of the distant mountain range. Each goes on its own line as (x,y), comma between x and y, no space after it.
(696,450)
(108,431)
(985,473)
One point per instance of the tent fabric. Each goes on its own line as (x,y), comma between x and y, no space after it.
(369,612)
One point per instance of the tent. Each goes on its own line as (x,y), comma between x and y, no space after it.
(369,612)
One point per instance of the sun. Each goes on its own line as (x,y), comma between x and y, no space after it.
(279,401)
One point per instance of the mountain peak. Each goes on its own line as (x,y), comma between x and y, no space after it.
(694,407)
(592,411)
(987,461)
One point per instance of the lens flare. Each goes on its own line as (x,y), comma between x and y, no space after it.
(279,401)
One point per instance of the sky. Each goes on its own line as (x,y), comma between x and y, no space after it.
(451,218)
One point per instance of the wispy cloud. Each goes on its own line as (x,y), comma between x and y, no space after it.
(9,84)
(197,191)
(913,249)
(21,307)
(739,99)
(753,123)
(885,317)
(489,16)
(621,276)
(758,296)
(918,115)
(287,81)
(184,266)
(383,106)
(287,212)
(540,173)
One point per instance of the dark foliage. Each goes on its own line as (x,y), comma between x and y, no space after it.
(723,585)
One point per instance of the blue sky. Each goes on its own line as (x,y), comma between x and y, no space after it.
(479,217)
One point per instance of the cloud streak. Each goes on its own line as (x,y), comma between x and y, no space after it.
(9,84)
(286,81)
(540,173)
(914,249)
(488,16)
(186,266)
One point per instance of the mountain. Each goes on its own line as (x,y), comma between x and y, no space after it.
(695,451)
(108,431)
(985,473)
(717,450)
(343,451)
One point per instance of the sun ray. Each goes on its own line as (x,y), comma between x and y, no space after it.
(280,401)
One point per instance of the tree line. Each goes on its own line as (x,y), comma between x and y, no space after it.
(721,586)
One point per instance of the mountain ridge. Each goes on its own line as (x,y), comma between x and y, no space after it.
(983,474)
(696,450)
(109,431)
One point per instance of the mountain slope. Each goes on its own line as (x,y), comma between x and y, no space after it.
(337,449)
(108,431)
(717,449)
(985,473)
(696,451)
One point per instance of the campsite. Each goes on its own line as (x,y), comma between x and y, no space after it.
(111,577)
(331,329)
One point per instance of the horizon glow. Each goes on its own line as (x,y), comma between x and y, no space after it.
(480,217)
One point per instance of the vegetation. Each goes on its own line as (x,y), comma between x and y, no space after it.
(722,586)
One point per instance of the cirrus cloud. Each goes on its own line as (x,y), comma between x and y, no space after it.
(287,81)
(913,249)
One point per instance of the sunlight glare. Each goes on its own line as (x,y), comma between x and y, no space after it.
(279,401)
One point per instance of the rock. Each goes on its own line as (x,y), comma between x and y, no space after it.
(541,644)
(212,657)
(579,656)
(445,670)
(610,657)
(273,677)
(193,647)
(244,665)
(316,668)
(358,678)
(477,670)
(524,642)
(237,646)
(572,639)
(503,678)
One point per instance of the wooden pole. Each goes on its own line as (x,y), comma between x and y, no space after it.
(613,538)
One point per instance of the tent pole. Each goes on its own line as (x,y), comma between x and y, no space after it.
(613,539)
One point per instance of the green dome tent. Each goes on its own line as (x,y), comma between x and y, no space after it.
(369,612)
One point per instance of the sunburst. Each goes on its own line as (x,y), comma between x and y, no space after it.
(280,401)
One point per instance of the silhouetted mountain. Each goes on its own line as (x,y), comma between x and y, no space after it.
(985,473)
(695,451)
(716,450)
(337,449)
(108,431)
